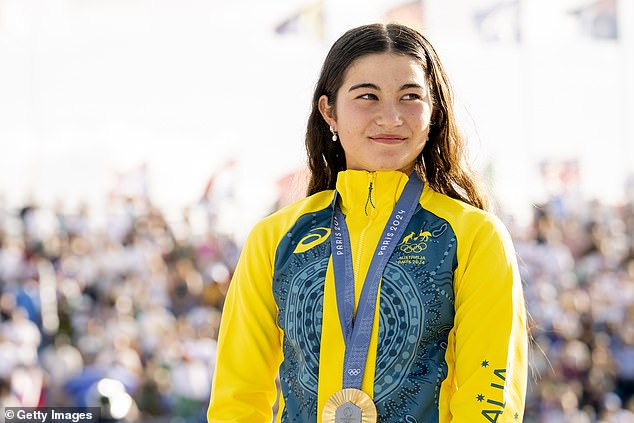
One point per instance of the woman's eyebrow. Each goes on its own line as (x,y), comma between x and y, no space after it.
(364,85)
(412,85)
(376,87)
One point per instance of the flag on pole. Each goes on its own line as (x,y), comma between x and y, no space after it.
(597,20)
(308,20)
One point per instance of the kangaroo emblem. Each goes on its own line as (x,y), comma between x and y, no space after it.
(408,238)
(424,237)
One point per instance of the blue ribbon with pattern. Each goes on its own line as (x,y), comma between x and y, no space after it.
(358,329)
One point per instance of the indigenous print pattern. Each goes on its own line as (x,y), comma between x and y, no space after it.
(417,312)
(298,287)
(416,316)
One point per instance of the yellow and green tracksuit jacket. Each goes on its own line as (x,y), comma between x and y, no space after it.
(449,341)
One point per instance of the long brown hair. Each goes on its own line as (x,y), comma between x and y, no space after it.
(442,163)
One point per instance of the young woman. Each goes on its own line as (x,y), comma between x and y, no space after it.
(389,294)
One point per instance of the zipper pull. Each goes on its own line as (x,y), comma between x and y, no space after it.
(369,200)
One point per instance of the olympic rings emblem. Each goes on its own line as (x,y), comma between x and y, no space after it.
(413,248)
(354,372)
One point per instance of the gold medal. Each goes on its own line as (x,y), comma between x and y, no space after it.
(349,406)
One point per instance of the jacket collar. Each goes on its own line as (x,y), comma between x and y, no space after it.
(367,192)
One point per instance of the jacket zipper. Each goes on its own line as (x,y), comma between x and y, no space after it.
(360,246)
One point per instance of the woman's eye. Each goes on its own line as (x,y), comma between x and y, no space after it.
(411,96)
(368,96)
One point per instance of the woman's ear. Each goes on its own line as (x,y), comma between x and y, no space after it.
(327,111)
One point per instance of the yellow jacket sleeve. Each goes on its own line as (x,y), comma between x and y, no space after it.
(487,347)
(249,349)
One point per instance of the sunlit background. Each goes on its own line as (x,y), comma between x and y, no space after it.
(182,122)
(101,97)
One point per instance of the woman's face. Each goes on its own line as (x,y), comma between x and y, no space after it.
(382,112)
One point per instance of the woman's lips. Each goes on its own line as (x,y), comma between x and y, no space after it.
(387,138)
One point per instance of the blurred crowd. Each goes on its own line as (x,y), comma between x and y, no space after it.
(124,315)
(577,264)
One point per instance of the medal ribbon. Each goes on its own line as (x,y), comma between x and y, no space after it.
(358,329)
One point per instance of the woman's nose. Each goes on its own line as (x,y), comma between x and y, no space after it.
(389,115)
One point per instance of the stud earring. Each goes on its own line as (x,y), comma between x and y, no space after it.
(334,135)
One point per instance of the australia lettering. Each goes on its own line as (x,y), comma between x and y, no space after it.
(411,259)
(494,414)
